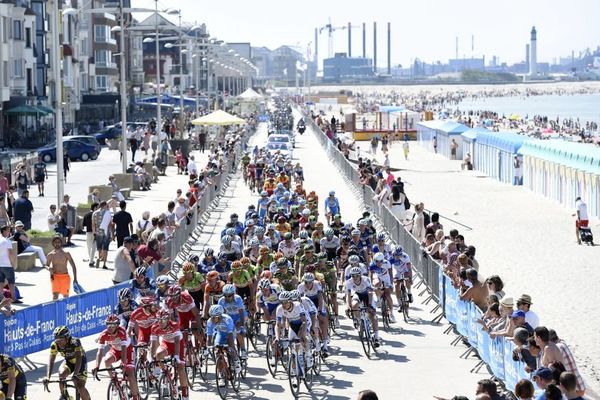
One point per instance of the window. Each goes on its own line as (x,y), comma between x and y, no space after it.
(5,30)
(28,37)
(102,83)
(102,58)
(102,33)
(18,68)
(17,30)
(5,73)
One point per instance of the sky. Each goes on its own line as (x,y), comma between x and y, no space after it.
(424,29)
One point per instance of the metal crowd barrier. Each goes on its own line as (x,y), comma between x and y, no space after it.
(495,353)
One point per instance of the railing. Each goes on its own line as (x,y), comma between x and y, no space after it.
(496,353)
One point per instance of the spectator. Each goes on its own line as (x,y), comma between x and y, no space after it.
(517,320)
(568,383)
(8,260)
(22,179)
(506,310)
(115,188)
(495,286)
(582,217)
(488,386)
(52,218)
(58,259)
(4,218)
(123,223)
(435,222)
(101,225)
(453,148)
(3,183)
(569,361)
(181,209)
(95,196)
(524,390)
(550,351)
(367,395)
(89,234)
(124,265)
(151,257)
(477,293)
(10,202)
(71,217)
(62,226)
(40,175)
(418,229)
(470,252)
(23,244)
(192,168)
(521,352)
(143,224)
(552,392)
(23,209)
(524,304)
(535,351)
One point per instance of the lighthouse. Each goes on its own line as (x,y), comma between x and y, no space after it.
(533,54)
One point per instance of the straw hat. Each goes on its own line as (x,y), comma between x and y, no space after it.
(507,301)
(525,298)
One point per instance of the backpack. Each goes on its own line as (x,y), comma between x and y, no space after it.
(406,202)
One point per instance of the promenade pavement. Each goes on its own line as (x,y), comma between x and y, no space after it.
(526,239)
(415,362)
(34,285)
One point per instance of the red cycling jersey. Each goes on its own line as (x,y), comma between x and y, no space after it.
(144,321)
(117,341)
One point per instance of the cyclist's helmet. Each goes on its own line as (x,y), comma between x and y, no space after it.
(243,261)
(259,230)
(295,295)
(254,242)
(112,319)
(404,258)
(233,216)
(174,291)
(231,231)
(264,283)
(124,294)
(163,314)
(147,301)
(209,252)
(188,267)
(266,274)
(381,237)
(226,239)
(337,216)
(355,271)
(309,247)
(228,290)
(271,227)
(140,271)
(162,280)
(332,193)
(236,265)
(215,310)
(398,251)
(212,275)
(287,236)
(329,232)
(285,296)
(354,259)
(61,332)
(322,255)
(306,212)
(378,257)
(303,234)
(355,232)
(194,258)
(281,220)
(308,277)
(282,262)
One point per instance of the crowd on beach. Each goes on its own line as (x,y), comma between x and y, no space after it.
(547,358)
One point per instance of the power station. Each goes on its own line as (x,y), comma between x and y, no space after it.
(342,65)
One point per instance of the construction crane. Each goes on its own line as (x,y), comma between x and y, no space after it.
(330,29)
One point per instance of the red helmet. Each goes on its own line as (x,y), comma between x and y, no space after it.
(174,290)
(148,301)
(212,275)
(266,275)
(112,319)
(310,268)
(163,314)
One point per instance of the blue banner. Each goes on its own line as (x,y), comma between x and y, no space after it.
(462,317)
(511,368)
(262,118)
(474,315)
(483,344)
(32,329)
(441,283)
(497,357)
(451,299)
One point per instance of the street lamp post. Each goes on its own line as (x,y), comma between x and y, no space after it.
(60,177)
(158,116)
(122,90)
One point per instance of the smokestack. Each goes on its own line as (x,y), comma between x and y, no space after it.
(316,49)
(533,53)
(375,47)
(349,40)
(364,40)
(389,49)
(527,57)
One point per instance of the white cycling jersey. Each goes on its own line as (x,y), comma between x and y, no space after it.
(363,270)
(312,292)
(293,315)
(363,287)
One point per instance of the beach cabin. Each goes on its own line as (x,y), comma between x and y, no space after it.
(426,131)
(495,152)
(469,138)
(447,132)
(563,171)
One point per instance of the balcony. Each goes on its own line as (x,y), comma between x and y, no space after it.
(104,39)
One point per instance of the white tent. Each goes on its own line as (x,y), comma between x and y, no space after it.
(218,117)
(250,95)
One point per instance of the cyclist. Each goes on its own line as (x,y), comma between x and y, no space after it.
(314,291)
(213,290)
(337,224)
(252,250)
(298,174)
(282,226)
(381,272)
(142,319)
(193,282)
(14,382)
(296,317)
(242,280)
(283,276)
(354,261)
(382,247)
(75,361)
(125,307)
(141,284)
(307,258)
(245,161)
(361,244)
(402,271)
(187,314)
(208,262)
(234,307)
(328,271)
(232,233)
(288,247)
(120,349)
(267,299)
(360,290)
(332,206)
(172,344)
(220,331)
(329,243)
(264,259)
(262,205)
(229,249)
(259,234)
(162,286)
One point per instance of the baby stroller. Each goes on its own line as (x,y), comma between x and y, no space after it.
(586,236)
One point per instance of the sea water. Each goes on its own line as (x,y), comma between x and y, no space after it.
(586,107)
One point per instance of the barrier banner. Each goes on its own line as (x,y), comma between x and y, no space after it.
(472,325)
(32,329)
(441,283)
(511,368)
(462,317)
(483,344)
(451,299)
(262,118)
(497,357)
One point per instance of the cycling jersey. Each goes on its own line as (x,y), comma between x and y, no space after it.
(293,315)
(288,248)
(312,293)
(213,293)
(117,342)
(363,287)
(332,205)
(188,284)
(240,279)
(142,289)
(272,300)
(8,364)
(69,350)
(287,280)
(223,268)
(184,305)
(232,308)
(382,272)
(144,323)
(169,334)
(232,251)
(207,265)
(363,270)
(124,312)
(224,326)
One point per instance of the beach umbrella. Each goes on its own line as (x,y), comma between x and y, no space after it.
(218,117)
(24,110)
(515,117)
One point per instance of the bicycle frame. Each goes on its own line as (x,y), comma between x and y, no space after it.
(67,384)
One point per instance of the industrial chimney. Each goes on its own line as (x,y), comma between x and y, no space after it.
(375,47)
(364,40)
(389,49)
(316,50)
(533,56)
(349,40)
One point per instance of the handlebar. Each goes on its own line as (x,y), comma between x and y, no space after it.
(63,381)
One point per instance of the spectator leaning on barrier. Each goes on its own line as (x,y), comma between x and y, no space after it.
(524,304)
(569,361)
(568,383)
(58,260)
(477,292)
(524,390)
(124,265)
(521,352)
(495,286)
(542,378)
(550,351)
(8,260)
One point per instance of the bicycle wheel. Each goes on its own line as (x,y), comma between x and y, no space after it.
(143,379)
(271,358)
(235,378)
(221,378)
(113,392)
(191,370)
(385,316)
(309,374)
(317,362)
(405,304)
(365,340)
(203,367)
(254,333)
(294,375)
(165,389)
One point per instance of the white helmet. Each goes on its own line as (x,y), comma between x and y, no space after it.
(354,259)
(378,257)
(228,289)
(303,234)
(216,310)
(264,283)
(226,239)
(308,277)
(295,295)
(355,271)
(285,296)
